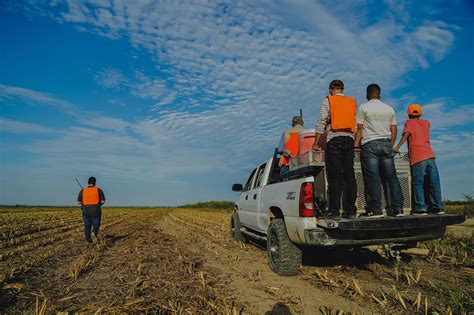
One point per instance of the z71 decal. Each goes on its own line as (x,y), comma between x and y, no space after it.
(291,195)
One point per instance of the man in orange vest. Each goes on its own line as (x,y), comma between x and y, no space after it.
(338,118)
(289,143)
(91,199)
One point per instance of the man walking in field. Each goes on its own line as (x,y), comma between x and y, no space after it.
(91,199)
(338,116)
(377,128)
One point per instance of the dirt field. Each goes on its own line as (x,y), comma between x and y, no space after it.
(183,261)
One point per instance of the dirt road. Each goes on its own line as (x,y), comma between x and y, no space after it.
(183,261)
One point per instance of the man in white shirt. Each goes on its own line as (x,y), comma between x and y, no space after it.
(377,128)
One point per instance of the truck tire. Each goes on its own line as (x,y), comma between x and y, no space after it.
(235,227)
(284,257)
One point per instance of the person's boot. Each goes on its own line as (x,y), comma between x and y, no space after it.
(94,238)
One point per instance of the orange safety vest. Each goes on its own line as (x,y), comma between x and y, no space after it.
(292,146)
(90,196)
(342,110)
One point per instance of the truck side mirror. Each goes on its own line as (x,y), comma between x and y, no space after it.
(237,187)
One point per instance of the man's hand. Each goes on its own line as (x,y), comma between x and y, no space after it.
(316,146)
(397,150)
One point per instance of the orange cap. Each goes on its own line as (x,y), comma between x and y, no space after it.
(414,110)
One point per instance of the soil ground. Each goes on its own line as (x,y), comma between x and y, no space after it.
(183,261)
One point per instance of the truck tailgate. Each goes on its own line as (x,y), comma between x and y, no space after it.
(366,231)
(406,222)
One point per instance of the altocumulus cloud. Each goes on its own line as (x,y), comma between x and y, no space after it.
(236,72)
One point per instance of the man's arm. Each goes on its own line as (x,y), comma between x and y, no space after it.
(358,135)
(393,131)
(321,123)
(79,198)
(360,118)
(101,197)
(393,127)
(402,141)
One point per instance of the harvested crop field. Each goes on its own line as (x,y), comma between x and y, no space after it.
(183,261)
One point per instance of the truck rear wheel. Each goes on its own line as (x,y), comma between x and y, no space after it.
(235,227)
(284,257)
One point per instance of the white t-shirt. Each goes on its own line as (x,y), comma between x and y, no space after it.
(376,117)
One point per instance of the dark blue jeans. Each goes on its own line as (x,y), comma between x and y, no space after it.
(431,187)
(376,161)
(91,222)
(340,174)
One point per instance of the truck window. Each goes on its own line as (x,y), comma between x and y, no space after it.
(248,185)
(260,172)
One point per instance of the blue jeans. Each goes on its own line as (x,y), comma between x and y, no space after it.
(427,195)
(91,222)
(377,161)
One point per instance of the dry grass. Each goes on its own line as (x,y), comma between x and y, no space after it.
(140,269)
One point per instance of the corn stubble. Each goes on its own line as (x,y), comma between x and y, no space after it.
(152,273)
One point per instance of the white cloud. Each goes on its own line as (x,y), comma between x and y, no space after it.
(31,96)
(435,38)
(14,126)
(236,73)
(110,78)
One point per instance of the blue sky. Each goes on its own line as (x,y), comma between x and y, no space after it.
(172,102)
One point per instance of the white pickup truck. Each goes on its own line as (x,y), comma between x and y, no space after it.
(286,212)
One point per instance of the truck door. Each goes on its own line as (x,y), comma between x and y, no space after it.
(244,213)
(254,197)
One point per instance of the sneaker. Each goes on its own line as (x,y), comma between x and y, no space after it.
(419,213)
(349,216)
(437,212)
(331,216)
(89,241)
(374,215)
(397,214)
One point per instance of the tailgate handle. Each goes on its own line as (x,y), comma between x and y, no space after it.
(254,196)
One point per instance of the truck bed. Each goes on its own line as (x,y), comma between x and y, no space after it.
(366,231)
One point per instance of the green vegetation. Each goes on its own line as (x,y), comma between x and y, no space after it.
(453,248)
(465,207)
(213,205)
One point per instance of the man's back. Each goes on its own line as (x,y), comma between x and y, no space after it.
(376,117)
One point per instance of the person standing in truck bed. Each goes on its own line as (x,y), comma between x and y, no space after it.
(338,116)
(422,162)
(91,199)
(377,129)
(289,143)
